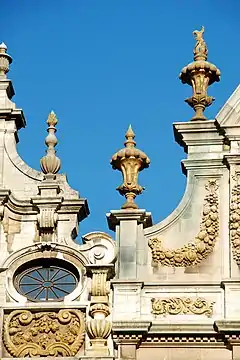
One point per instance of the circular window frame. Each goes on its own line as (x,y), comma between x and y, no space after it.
(36,266)
(39,252)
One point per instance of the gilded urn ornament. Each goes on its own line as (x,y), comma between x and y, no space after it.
(200,74)
(130,161)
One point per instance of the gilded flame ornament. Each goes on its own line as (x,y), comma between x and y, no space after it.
(200,74)
(130,161)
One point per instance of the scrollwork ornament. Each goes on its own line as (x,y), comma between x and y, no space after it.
(194,252)
(184,306)
(235,218)
(30,334)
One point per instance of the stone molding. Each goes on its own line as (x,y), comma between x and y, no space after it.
(129,332)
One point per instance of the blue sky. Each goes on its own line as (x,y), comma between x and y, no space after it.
(103,64)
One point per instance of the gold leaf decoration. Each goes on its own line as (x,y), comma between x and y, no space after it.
(235,219)
(177,306)
(193,253)
(30,334)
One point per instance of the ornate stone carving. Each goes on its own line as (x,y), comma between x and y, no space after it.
(200,74)
(47,220)
(193,253)
(99,328)
(99,282)
(50,164)
(4,195)
(31,334)
(130,161)
(98,331)
(185,305)
(5,60)
(99,309)
(235,218)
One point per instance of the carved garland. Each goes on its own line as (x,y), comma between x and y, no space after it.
(44,333)
(176,306)
(193,253)
(235,218)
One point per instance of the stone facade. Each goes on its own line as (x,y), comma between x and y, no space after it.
(168,290)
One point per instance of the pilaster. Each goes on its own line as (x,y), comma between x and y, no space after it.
(99,326)
(129,225)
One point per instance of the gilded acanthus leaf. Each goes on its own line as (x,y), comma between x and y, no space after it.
(177,306)
(194,252)
(30,334)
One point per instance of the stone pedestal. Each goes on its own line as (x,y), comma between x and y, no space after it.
(132,247)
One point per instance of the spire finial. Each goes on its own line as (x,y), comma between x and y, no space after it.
(200,74)
(50,163)
(130,137)
(130,161)
(5,61)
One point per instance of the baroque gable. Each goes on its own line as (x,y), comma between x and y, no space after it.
(156,290)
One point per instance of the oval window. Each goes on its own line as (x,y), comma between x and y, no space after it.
(46,280)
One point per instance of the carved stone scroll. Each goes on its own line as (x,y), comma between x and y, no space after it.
(193,253)
(235,218)
(177,306)
(30,334)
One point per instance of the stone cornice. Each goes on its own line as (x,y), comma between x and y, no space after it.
(29,207)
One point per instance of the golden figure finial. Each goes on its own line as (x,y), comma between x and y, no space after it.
(200,74)
(50,163)
(130,161)
(200,51)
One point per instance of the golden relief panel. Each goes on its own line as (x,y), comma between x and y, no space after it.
(182,306)
(194,252)
(31,334)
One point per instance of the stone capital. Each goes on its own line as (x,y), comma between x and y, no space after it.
(100,269)
(198,133)
(115,217)
(231,159)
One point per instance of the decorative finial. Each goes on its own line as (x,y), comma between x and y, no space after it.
(200,74)
(5,61)
(200,51)
(50,163)
(130,161)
